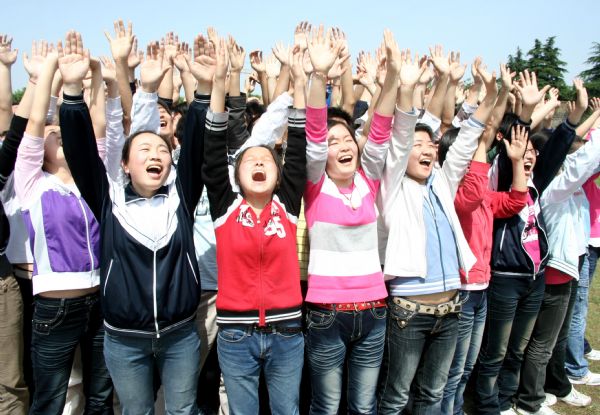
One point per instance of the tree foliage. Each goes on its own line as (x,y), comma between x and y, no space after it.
(591,76)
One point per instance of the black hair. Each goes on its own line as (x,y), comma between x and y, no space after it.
(180,126)
(424,128)
(539,140)
(238,161)
(445,143)
(254,110)
(337,112)
(333,122)
(129,140)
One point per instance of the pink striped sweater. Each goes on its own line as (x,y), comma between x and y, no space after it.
(344,262)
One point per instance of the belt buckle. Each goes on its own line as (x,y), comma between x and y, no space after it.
(442,309)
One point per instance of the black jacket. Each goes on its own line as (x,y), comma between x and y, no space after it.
(150,284)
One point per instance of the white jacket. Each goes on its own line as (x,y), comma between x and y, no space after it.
(401,227)
(566,208)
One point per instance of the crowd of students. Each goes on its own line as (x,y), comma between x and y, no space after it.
(380,233)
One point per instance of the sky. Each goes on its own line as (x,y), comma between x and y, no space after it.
(490,29)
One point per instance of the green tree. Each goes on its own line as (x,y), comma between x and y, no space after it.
(517,63)
(17,95)
(591,76)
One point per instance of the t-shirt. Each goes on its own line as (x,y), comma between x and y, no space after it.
(556,277)
(530,236)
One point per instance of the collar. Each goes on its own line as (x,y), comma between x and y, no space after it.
(131,196)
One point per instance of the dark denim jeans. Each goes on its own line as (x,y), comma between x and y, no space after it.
(338,338)
(471,323)
(513,306)
(418,351)
(58,326)
(557,381)
(543,339)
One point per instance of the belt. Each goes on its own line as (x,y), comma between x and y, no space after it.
(273,328)
(367,305)
(437,310)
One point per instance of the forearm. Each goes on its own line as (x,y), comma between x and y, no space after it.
(39,108)
(419,96)
(189,86)
(122,71)
(5,97)
(519,182)
(387,99)
(217,98)
(437,100)
(538,115)
(264,88)
(585,126)
(98,104)
(481,152)
(317,93)
(271,85)
(336,94)
(449,104)
(165,89)
(348,97)
(283,82)
(24,108)
(234,83)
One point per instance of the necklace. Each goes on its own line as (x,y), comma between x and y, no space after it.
(349,199)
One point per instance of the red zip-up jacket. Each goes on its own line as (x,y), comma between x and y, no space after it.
(477,206)
(257,261)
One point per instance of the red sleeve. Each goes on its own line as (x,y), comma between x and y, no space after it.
(507,204)
(472,190)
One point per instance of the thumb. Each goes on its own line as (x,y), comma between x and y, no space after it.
(545,89)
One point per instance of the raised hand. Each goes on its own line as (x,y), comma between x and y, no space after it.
(301,35)
(7,55)
(322,52)
(73,60)
(256,61)
(204,63)
(507,77)
(528,89)
(222,59)
(581,102)
(121,45)
(282,53)
(183,50)
(440,62)
(595,104)
(135,56)
(249,85)
(428,74)
(457,71)
(297,65)
(272,67)
(411,70)
(33,64)
(392,53)
(237,55)
(154,67)
(109,73)
(489,79)
(170,44)
(515,149)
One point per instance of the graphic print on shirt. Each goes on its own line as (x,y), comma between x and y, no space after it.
(530,235)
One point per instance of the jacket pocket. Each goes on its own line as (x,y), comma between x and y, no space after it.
(107,277)
(192,268)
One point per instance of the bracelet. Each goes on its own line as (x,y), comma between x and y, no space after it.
(319,75)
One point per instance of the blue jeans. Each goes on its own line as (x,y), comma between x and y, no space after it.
(471,322)
(576,364)
(58,326)
(418,351)
(513,306)
(246,350)
(335,337)
(131,362)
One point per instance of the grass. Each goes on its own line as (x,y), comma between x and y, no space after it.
(593,336)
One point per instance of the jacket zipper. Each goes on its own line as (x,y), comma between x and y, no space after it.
(107,276)
(87,235)
(260,273)
(154,294)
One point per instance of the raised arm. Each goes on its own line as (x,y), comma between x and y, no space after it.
(529,93)
(585,126)
(257,63)
(122,46)
(441,64)
(323,54)
(187,79)
(237,56)
(7,58)
(457,71)
(546,107)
